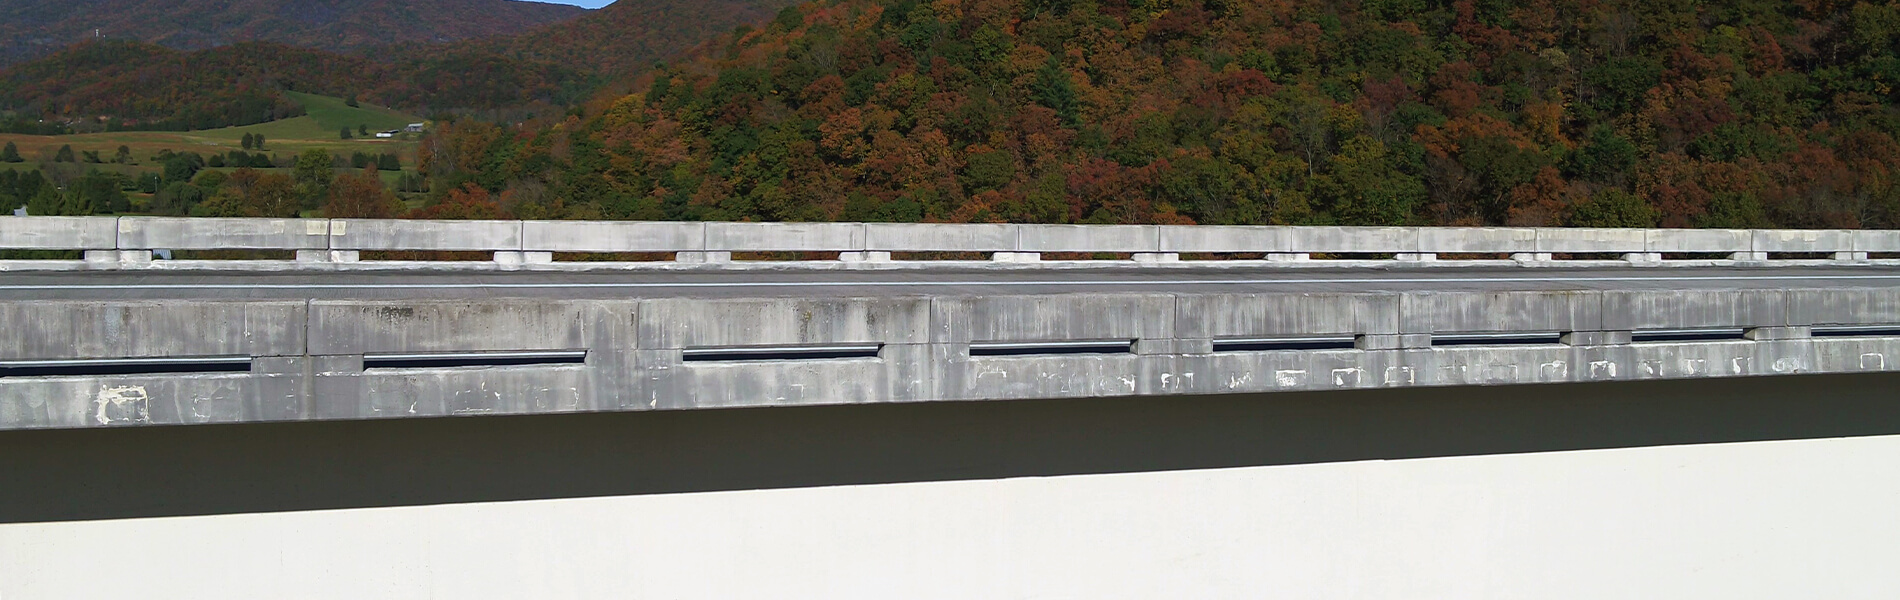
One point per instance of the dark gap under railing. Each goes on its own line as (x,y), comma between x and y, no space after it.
(1856,331)
(1288,343)
(124,366)
(1052,348)
(1497,339)
(780,353)
(1689,335)
(474,359)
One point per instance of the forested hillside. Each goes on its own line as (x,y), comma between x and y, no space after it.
(33,28)
(1545,112)
(143,86)
(540,72)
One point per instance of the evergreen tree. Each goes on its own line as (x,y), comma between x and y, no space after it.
(258,142)
(362,130)
(248,141)
(388,162)
(11,154)
(343,133)
(65,154)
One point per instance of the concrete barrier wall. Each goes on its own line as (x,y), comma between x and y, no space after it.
(308,359)
(143,233)
(59,233)
(207,233)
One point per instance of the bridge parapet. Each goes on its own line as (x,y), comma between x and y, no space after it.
(114,240)
(178,362)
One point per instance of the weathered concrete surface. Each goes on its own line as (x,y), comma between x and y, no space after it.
(1742,488)
(516,243)
(309,357)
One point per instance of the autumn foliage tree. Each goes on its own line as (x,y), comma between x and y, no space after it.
(361,195)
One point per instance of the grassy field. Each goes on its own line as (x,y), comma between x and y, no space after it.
(316,129)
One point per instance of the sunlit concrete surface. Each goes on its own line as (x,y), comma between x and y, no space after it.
(1766,487)
(1792,519)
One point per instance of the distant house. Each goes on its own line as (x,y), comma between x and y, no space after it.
(387,134)
(414,128)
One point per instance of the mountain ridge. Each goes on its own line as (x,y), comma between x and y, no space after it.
(31,29)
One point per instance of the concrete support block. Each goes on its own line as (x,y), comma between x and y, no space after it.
(1416,256)
(1762,334)
(1289,257)
(702,257)
(1016,257)
(1748,256)
(866,256)
(1157,257)
(1850,256)
(120,257)
(1643,257)
(308,256)
(1598,338)
(1531,257)
(1393,341)
(524,258)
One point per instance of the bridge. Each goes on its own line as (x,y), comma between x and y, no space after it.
(1509,377)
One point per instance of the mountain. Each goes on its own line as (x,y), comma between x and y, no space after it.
(541,71)
(146,86)
(1381,112)
(34,28)
(565,62)
(629,35)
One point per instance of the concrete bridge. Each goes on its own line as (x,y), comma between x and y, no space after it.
(938,378)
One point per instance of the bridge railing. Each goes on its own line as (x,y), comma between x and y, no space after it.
(129,239)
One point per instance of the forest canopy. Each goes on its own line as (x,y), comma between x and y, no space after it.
(1381,112)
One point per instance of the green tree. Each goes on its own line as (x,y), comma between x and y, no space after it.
(103,193)
(11,154)
(65,154)
(1365,188)
(1612,208)
(343,133)
(177,199)
(248,141)
(49,202)
(362,130)
(313,174)
(182,167)
(1055,90)
(257,143)
(123,156)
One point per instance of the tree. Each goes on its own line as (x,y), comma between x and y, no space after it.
(65,154)
(1612,208)
(388,162)
(11,154)
(360,195)
(362,130)
(352,103)
(123,156)
(103,193)
(251,193)
(248,141)
(257,143)
(182,167)
(343,133)
(313,173)
(177,199)
(469,202)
